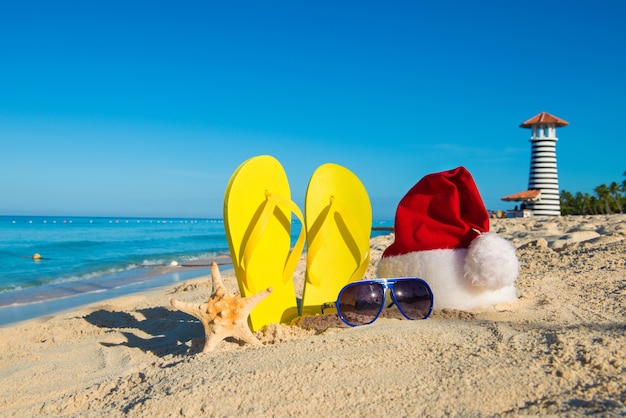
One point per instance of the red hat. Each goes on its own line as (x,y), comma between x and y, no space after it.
(442,211)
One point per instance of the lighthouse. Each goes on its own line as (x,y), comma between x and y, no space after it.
(542,196)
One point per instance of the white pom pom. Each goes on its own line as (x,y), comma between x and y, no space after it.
(491,262)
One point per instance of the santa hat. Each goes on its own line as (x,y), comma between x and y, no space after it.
(442,236)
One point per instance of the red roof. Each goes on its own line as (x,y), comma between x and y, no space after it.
(526,195)
(544,117)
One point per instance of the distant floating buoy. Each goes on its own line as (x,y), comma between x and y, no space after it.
(36,256)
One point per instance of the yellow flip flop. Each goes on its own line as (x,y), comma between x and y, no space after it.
(338,219)
(257,219)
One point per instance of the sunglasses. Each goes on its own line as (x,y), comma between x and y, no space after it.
(361,303)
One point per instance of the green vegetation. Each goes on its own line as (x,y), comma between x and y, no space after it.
(607,199)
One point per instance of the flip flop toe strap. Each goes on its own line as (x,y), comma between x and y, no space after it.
(352,226)
(270,204)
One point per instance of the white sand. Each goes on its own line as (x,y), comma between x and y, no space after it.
(560,349)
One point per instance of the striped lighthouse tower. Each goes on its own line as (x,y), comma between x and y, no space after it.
(543,172)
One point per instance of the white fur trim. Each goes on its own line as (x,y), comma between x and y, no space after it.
(491,262)
(446,273)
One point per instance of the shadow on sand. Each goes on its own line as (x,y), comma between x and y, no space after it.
(160,331)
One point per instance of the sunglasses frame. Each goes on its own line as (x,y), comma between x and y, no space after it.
(387,283)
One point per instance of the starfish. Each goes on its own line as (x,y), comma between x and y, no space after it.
(224,315)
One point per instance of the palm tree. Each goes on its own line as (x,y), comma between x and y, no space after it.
(568,206)
(623,189)
(614,190)
(604,197)
(582,203)
(607,200)
(593,205)
(578,204)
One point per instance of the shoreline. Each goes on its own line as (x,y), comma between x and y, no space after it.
(32,303)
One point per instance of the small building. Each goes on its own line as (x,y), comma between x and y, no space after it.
(525,198)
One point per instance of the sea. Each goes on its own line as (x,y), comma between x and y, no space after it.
(49,263)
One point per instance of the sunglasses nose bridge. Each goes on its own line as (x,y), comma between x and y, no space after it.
(389,287)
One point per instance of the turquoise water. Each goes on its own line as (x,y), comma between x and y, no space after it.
(97,258)
(80,249)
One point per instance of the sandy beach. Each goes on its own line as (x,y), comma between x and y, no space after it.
(560,349)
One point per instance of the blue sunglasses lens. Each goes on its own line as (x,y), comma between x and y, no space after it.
(361,303)
(413,298)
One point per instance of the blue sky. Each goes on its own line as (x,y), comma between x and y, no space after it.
(146,108)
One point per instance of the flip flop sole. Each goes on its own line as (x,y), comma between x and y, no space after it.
(338,218)
(258,234)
